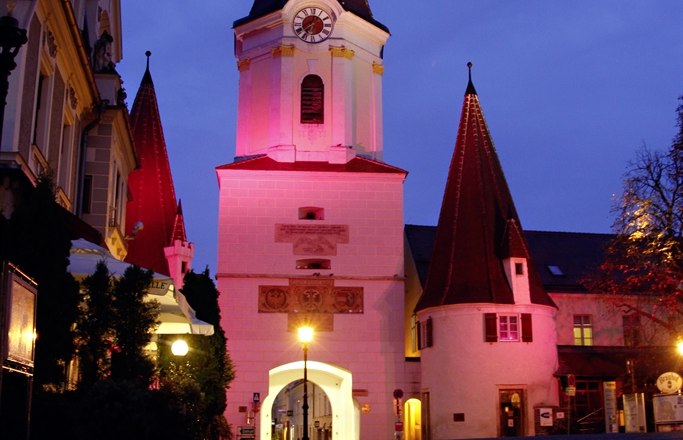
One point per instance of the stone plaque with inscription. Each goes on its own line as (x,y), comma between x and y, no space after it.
(316,239)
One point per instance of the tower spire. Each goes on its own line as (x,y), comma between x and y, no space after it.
(478,229)
(153,200)
(470,86)
(147,77)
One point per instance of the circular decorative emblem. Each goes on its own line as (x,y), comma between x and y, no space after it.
(669,383)
(312,25)
(276,299)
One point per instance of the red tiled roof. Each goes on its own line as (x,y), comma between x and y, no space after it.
(153,198)
(577,255)
(179,225)
(355,165)
(478,225)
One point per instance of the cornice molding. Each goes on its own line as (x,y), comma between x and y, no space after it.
(283,51)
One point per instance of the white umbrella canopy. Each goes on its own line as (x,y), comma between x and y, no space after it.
(176,315)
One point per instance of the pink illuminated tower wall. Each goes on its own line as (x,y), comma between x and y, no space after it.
(311,225)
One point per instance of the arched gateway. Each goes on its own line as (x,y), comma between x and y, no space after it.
(336,383)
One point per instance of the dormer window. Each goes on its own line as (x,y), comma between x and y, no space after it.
(555,270)
(519,269)
(312,100)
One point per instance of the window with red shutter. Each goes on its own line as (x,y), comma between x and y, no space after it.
(527,331)
(490,327)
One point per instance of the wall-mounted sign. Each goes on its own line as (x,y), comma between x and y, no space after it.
(319,239)
(545,416)
(20,314)
(669,383)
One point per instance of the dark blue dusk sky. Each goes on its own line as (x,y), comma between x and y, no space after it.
(570,91)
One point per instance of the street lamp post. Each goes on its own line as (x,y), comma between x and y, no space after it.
(12,37)
(305,337)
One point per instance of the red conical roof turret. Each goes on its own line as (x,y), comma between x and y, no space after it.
(179,224)
(153,200)
(478,225)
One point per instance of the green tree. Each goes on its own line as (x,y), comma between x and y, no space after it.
(115,326)
(95,328)
(202,377)
(646,255)
(133,327)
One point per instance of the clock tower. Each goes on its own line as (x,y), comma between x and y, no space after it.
(310,229)
(310,86)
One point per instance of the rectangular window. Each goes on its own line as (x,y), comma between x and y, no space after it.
(508,327)
(519,269)
(583,330)
(39,112)
(425,330)
(414,333)
(87,194)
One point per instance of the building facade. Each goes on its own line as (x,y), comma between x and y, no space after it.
(474,328)
(66,116)
(311,223)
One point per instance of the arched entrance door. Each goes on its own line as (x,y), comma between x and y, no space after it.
(334,382)
(288,413)
(412,419)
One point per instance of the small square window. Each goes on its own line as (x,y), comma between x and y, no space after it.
(519,269)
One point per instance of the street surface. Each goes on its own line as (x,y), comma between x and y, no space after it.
(645,436)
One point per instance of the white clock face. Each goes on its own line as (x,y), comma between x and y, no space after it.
(312,25)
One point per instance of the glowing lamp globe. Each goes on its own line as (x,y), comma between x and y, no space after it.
(180,348)
(305,334)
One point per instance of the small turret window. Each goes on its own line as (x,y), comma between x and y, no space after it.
(311,213)
(314,263)
(519,269)
(312,100)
